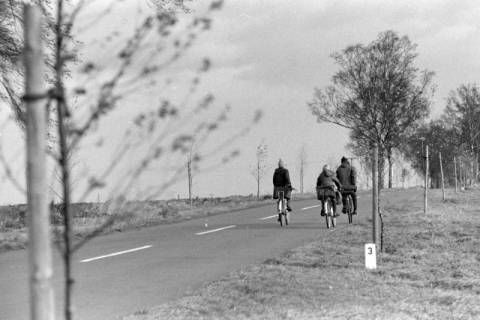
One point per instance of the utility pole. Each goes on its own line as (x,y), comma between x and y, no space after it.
(39,245)
(190,162)
(190,180)
(301,178)
(375,217)
(455,171)
(258,179)
(425,207)
(303,162)
(441,173)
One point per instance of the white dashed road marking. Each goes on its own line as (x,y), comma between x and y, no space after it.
(115,254)
(215,230)
(269,217)
(306,208)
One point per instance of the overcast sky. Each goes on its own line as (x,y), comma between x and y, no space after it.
(270,55)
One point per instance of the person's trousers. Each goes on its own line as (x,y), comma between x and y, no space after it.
(333,202)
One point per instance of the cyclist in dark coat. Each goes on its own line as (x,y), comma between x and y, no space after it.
(327,182)
(347,175)
(281,182)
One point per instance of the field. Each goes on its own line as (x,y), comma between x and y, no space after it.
(428,270)
(135,214)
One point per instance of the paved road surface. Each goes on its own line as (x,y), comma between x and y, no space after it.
(121,273)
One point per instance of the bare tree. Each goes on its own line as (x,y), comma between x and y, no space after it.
(302,157)
(259,170)
(378,94)
(441,138)
(163,133)
(11,84)
(463,116)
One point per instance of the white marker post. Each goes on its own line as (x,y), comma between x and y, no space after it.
(370,256)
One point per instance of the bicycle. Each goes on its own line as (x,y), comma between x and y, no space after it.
(330,218)
(282,208)
(349,204)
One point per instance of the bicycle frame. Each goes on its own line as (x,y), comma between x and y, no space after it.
(283,216)
(281,204)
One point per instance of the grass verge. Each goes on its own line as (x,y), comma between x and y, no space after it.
(428,270)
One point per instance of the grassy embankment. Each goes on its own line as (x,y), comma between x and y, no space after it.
(88,216)
(429,270)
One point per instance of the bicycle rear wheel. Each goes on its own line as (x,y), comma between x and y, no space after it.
(333,219)
(329,218)
(350,208)
(282,215)
(324,209)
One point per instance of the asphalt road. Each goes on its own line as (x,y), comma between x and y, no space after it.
(122,273)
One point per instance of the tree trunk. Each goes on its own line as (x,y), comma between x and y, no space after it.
(455,173)
(476,168)
(375,197)
(381,169)
(390,168)
(472,170)
(441,171)
(425,195)
(40,253)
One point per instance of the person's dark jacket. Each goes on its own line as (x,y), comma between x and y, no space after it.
(281,182)
(327,179)
(281,178)
(347,176)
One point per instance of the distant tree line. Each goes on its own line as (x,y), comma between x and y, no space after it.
(455,135)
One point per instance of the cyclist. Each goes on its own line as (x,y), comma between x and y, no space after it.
(347,175)
(281,182)
(327,182)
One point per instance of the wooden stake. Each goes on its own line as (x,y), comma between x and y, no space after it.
(425,206)
(455,171)
(441,173)
(40,252)
(375,217)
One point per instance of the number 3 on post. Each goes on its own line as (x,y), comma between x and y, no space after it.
(370,256)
